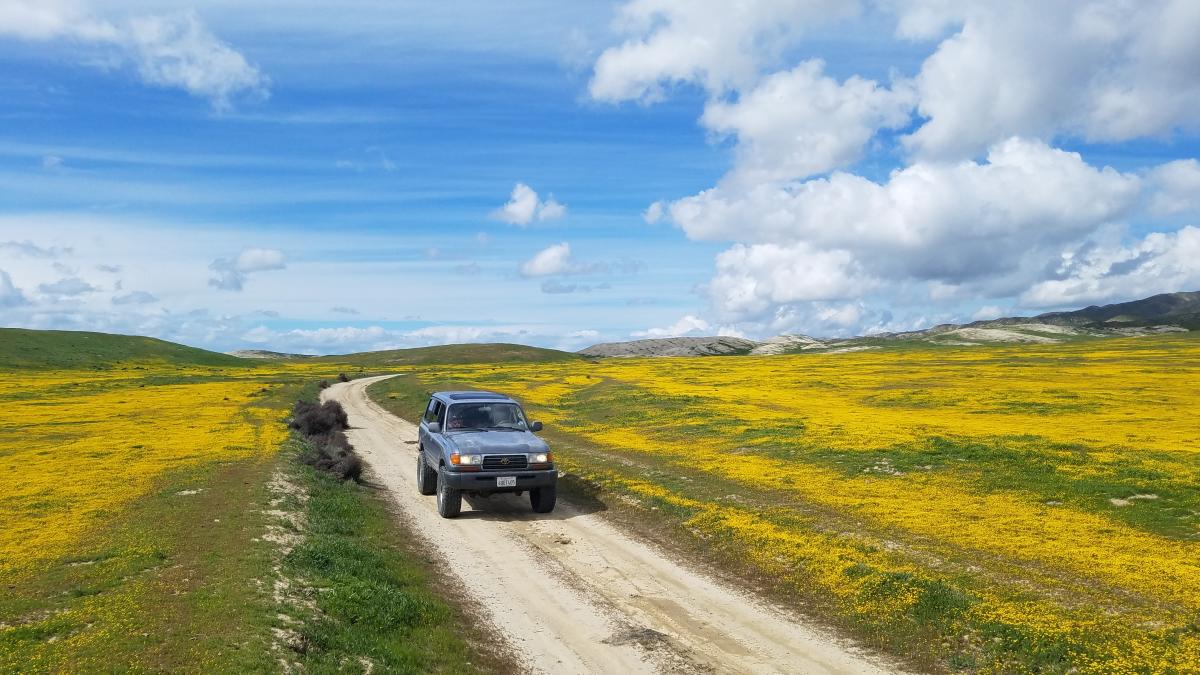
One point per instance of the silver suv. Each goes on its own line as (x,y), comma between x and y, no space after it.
(479,442)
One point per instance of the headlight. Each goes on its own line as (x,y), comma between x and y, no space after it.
(541,458)
(465,460)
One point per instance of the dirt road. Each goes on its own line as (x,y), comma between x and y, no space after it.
(573,594)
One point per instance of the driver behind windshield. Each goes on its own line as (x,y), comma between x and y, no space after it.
(485,416)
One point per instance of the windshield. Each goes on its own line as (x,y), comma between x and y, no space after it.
(485,416)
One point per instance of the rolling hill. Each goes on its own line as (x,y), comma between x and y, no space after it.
(1179,309)
(1168,312)
(37,349)
(452,354)
(679,346)
(1164,313)
(32,349)
(267,354)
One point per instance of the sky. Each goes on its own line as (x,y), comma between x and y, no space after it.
(337,177)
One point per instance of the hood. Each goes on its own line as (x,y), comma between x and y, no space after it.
(497,442)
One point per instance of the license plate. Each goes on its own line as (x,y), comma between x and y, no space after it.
(506,481)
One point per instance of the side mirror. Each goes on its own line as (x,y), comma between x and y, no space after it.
(536,426)
(434,428)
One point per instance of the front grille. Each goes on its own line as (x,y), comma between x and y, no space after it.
(504,462)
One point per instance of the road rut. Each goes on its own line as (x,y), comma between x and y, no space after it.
(572,594)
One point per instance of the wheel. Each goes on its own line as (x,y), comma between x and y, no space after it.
(542,499)
(426,477)
(449,500)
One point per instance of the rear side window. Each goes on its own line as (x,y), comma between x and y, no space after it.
(431,411)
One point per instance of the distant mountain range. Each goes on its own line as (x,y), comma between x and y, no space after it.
(1165,313)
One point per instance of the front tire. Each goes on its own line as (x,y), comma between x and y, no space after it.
(449,500)
(542,499)
(426,477)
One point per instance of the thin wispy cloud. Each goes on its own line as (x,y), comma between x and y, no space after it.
(173,50)
(31,250)
(231,273)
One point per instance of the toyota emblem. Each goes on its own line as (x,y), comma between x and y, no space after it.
(504,460)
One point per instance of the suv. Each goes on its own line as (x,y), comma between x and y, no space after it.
(478,442)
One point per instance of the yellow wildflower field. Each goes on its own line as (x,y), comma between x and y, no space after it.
(999,508)
(75,446)
(125,485)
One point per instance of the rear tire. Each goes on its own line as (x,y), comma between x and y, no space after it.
(449,500)
(426,477)
(542,499)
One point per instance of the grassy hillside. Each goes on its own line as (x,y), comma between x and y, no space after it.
(1015,508)
(1180,309)
(38,349)
(452,354)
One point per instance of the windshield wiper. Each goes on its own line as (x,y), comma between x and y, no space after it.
(505,428)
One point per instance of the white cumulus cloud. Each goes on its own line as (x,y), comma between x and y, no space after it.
(1105,70)
(1177,187)
(686,325)
(718,45)
(654,213)
(801,122)
(1161,262)
(751,280)
(555,260)
(954,223)
(552,260)
(524,207)
(983,209)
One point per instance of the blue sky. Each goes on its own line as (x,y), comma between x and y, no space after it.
(327,180)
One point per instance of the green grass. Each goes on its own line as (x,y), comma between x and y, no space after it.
(376,592)
(169,584)
(376,599)
(43,349)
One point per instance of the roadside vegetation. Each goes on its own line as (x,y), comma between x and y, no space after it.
(323,427)
(360,595)
(142,527)
(355,589)
(1004,508)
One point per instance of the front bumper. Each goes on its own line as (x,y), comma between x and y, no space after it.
(485,481)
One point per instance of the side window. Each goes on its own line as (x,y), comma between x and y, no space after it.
(431,410)
(441,414)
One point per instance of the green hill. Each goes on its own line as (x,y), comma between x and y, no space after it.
(1178,309)
(37,349)
(452,354)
